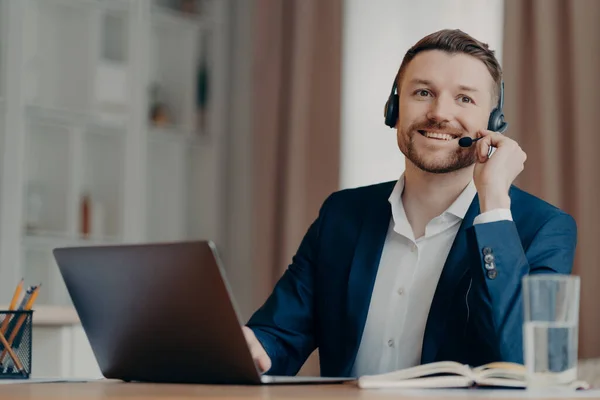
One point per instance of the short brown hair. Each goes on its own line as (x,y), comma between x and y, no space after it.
(456,41)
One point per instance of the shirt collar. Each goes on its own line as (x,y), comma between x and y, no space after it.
(462,203)
(458,208)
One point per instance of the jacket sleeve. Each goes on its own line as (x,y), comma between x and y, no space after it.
(497,306)
(285,323)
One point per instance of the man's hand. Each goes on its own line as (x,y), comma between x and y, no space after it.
(493,176)
(259,355)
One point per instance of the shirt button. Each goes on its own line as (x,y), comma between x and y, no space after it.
(391,343)
(413,247)
(400,291)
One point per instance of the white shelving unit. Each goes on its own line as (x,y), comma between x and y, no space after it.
(3,53)
(118,101)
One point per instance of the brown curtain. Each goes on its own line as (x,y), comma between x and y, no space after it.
(552,81)
(296,127)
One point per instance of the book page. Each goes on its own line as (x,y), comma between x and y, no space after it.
(420,371)
(501,382)
(443,367)
(454,381)
(503,370)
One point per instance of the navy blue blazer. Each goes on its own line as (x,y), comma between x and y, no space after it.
(322,299)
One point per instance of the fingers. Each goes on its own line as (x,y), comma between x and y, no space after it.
(498,141)
(259,355)
(483,148)
(490,139)
(264,362)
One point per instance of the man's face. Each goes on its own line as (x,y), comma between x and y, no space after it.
(442,97)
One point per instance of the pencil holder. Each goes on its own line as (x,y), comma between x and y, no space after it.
(15,344)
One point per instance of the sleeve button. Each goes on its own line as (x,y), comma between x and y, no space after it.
(492,274)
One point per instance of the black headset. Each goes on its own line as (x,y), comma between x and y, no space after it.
(496,122)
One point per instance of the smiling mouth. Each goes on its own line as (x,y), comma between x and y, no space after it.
(437,135)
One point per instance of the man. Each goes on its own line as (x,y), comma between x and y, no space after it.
(427,268)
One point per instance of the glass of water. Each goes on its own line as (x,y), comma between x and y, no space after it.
(551,309)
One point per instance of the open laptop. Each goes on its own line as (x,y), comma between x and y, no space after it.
(161,313)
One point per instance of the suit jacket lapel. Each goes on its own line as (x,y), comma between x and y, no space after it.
(363,272)
(455,268)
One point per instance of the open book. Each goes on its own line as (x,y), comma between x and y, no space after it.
(449,374)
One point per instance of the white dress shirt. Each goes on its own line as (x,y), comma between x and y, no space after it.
(406,281)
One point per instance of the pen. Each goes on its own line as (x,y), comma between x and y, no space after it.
(26,297)
(34,295)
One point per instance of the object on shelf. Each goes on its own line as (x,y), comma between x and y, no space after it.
(202,90)
(92,217)
(192,7)
(110,87)
(159,113)
(86,209)
(35,204)
(114,38)
(202,100)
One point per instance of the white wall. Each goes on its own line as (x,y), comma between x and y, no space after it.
(376,35)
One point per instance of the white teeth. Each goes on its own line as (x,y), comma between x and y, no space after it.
(435,135)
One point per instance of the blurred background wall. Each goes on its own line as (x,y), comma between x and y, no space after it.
(292,110)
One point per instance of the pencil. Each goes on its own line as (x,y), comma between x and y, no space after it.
(15,298)
(12,306)
(11,353)
(34,295)
(22,318)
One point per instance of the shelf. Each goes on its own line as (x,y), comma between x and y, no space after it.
(46,185)
(52,240)
(76,57)
(105,5)
(64,117)
(102,166)
(178,134)
(174,59)
(168,18)
(166,189)
(81,90)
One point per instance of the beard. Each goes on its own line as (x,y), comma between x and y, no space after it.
(453,161)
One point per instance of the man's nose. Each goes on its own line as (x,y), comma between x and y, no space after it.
(441,110)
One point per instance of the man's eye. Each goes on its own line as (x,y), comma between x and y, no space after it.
(466,99)
(423,93)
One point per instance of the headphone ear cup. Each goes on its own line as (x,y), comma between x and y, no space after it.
(391,111)
(496,122)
